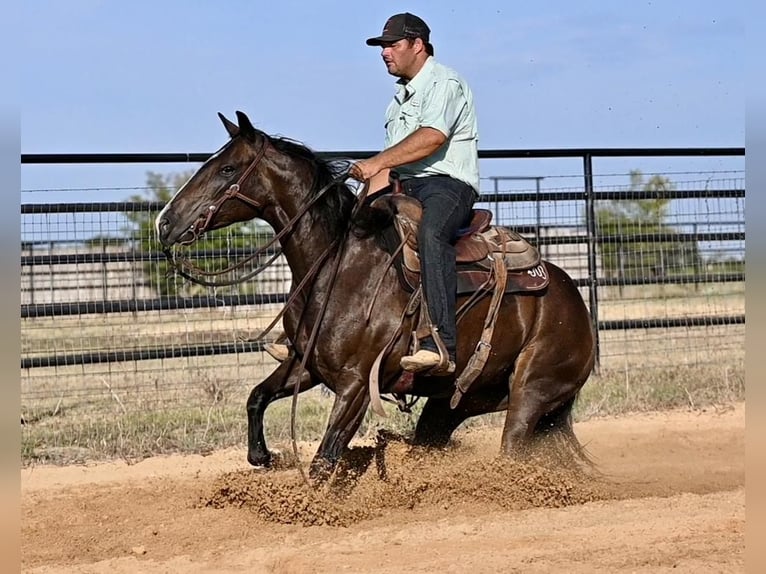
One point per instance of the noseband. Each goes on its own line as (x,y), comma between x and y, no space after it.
(202,223)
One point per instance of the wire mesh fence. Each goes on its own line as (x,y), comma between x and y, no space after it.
(105,328)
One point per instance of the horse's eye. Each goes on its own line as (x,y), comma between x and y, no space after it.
(227,171)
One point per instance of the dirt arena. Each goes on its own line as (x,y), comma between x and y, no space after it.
(671,497)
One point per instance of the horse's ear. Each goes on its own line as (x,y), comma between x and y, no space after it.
(246,129)
(231,127)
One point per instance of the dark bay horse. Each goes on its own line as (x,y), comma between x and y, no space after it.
(542,348)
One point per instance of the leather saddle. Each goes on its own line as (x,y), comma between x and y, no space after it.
(476,246)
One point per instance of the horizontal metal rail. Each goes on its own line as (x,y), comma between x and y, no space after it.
(628,195)
(90,207)
(700,279)
(157,353)
(152,206)
(133,257)
(671,237)
(670,323)
(38,310)
(154,353)
(76,158)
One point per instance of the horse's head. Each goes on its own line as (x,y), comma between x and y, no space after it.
(222,191)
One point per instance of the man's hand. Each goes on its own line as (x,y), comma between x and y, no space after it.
(417,146)
(364,169)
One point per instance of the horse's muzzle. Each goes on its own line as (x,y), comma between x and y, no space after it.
(170,233)
(163,231)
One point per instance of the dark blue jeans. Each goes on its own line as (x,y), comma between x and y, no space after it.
(447,205)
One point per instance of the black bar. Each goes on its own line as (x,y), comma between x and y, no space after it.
(77,158)
(201,157)
(141,354)
(86,258)
(31,311)
(671,323)
(638,238)
(131,257)
(71,158)
(520,196)
(610,152)
(155,206)
(671,280)
(672,237)
(733,193)
(90,207)
(249,346)
(160,304)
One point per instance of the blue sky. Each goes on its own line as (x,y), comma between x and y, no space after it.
(149,76)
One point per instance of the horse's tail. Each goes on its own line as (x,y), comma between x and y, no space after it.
(555,430)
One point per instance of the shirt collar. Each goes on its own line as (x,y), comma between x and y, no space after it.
(405,89)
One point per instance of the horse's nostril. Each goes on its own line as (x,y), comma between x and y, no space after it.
(163,229)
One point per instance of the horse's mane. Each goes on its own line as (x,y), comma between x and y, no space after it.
(334,209)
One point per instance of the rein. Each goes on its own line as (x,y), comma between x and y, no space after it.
(315,329)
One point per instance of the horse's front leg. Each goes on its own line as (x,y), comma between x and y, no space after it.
(346,416)
(279,384)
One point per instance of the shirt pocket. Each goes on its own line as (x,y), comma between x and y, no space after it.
(409,118)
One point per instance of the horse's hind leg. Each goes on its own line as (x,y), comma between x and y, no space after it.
(438,420)
(538,389)
(556,428)
(281,383)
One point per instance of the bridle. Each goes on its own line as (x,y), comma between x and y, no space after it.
(185,268)
(233,192)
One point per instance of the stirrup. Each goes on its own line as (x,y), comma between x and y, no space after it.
(422,360)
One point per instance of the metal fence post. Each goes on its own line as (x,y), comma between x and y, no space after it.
(590,224)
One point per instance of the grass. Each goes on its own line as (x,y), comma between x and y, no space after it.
(614,393)
(64,436)
(138,433)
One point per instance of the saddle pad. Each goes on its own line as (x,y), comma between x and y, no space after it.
(526,281)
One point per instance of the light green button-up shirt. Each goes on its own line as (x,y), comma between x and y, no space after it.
(437,98)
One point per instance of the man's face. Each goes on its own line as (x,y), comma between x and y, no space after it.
(400,57)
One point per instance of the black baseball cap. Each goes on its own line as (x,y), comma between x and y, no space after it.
(401,26)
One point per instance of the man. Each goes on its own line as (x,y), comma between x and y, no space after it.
(432,145)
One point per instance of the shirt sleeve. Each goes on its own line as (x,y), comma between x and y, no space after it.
(442,106)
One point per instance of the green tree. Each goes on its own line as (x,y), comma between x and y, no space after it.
(216,250)
(627,226)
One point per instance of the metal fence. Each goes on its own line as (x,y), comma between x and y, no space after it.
(101,323)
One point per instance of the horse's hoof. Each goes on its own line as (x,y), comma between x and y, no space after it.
(320,470)
(260,460)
